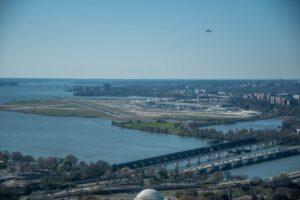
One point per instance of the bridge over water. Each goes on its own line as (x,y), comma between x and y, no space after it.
(231,163)
(182,154)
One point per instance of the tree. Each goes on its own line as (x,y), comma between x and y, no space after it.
(203,177)
(163,173)
(98,169)
(174,176)
(41,163)
(4,156)
(217,177)
(83,170)
(70,162)
(227,175)
(28,158)
(16,156)
(51,163)
(102,167)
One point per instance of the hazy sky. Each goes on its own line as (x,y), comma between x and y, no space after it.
(150,38)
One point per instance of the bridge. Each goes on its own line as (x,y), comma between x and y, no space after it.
(182,154)
(231,163)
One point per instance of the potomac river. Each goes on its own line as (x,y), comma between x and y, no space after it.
(92,139)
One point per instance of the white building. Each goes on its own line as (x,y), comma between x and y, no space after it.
(149,194)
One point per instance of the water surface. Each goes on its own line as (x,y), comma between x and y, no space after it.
(90,139)
(273,124)
(270,168)
(94,139)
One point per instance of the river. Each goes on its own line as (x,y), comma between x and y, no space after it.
(272,124)
(270,168)
(93,139)
(90,139)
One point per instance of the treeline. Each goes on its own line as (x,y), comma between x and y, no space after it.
(124,91)
(279,189)
(177,128)
(163,88)
(291,124)
(268,109)
(287,135)
(49,172)
(158,126)
(263,106)
(284,136)
(53,169)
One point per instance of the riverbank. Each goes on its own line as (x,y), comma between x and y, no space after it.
(181,128)
(124,115)
(153,127)
(285,135)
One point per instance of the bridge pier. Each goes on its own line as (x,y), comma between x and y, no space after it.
(254,147)
(188,163)
(245,161)
(198,161)
(177,165)
(168,158)
(226,154)
(248,147)
(208,157)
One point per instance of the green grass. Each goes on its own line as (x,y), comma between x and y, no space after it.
(154,126)
(66,112)
(36,102)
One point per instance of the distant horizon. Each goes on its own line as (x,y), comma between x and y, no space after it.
(192,79)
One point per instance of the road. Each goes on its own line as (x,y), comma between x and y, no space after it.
(294,176)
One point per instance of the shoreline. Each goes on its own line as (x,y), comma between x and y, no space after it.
(171,126)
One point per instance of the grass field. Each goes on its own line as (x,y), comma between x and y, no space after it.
(155,126)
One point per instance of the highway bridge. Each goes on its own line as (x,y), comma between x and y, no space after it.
(231,163)
(182,154)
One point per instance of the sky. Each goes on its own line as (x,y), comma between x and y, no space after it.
(150,39)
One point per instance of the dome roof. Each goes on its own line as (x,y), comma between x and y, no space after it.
(149,194)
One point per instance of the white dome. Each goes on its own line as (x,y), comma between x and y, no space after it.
(149,194)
